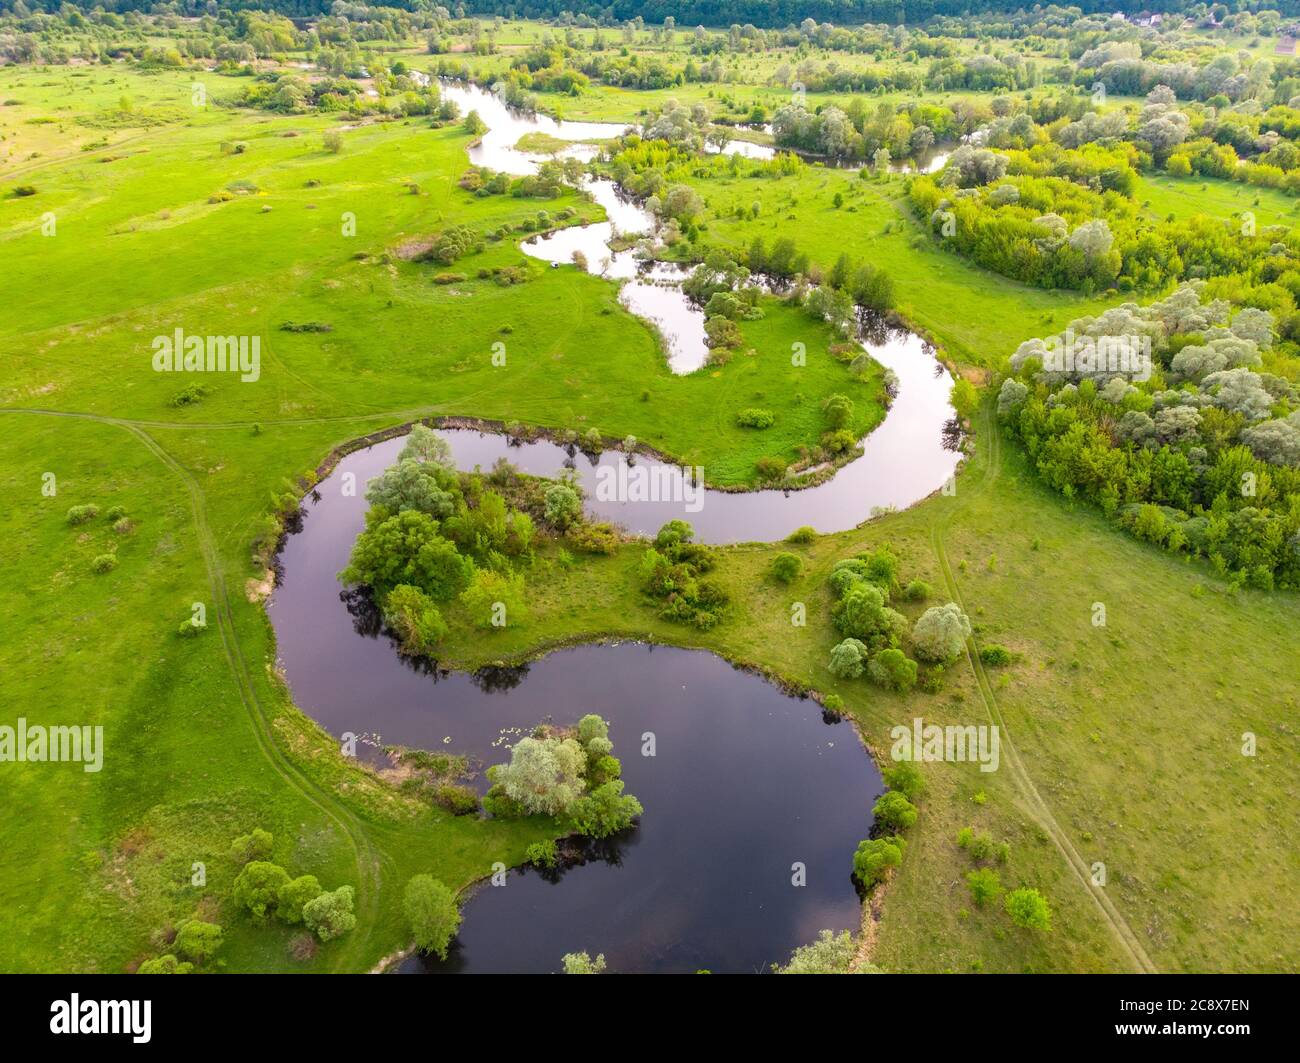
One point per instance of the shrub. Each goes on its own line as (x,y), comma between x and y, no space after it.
(562,505)
(995,656)
(802,535)
(81,514)
(1028,909)
(330,915)
(332,141)
(917,591)
(189,396)
(754,417)
(494,599)
(874,857)
(253,846)
(770,469)
(458,799)
(103,563)
(894,810)
(833,704)
(114,513)
(594,538)
(22,191)
(164,965)
(416,620)
(786,568)
(431,914)
(904,777)
(542,854)
(984,885)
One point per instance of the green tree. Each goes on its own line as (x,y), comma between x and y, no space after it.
(418,623)
(941,633)
(253,846)
(582,963)
(891,668)
(1028,909)
(875,856)
(197,940)
(892,809)
(294,895)
(168,964)
(786,567)
(431,914)
(848,659)
(257,887)
(329,915)
(830,954)
(984,885)
(495,599)
(544,775)
(605,810)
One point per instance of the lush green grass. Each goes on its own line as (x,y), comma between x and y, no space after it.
(1184,196)
(1127,737)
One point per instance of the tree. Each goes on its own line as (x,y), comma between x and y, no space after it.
(431,914)
(848,659)
(893,809)
(294,895)
(891,668)
(329,915)
(1028,909)
(333,141)
(875,856)
(413,484)
(257,887)
(197,940)
(544,775)
(425,445)
(831,953)
(418,623)
(605,810)
(941,633)
(582,963)
(563,505)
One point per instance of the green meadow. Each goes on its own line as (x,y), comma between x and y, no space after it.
(1121,743)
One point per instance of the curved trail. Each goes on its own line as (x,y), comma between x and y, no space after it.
(368,860)
(1037,805)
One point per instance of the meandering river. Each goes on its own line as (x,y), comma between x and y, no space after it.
(754,802)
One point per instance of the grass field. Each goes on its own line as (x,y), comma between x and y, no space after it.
(1125,741)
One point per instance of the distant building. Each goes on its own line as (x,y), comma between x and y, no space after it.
(1284,46)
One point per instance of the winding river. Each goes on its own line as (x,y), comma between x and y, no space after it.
(754,800)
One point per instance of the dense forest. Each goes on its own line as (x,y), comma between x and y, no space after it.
(762,13)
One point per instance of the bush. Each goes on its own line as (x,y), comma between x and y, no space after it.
(1028,909)
(984,885)
(563,505)
(894,810)
(786,568)
(332,141)
(253,846)
(802,535)
(103,563)
(605,811)
(81,514)
(431,914)
(904,777)
(770,469)
(164,965)
(542,854)
(415,619)
(115,513)
(457,799)
(601,538)
(917,591)
(330,915)
(995,656)
(755,417)
(22,191)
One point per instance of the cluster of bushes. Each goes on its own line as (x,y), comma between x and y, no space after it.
(1026,906)
(894,812)
(1202,457)
(874,633)
(569,774)
(550,180)
(671,573)
(263,890)
(452,243)
(117,518)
